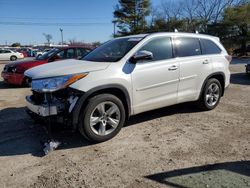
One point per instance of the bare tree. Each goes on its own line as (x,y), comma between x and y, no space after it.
(204,11)
(48,37)
(171,9)
(154,14)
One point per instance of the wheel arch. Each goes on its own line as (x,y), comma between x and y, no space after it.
(115,89)
(220,76)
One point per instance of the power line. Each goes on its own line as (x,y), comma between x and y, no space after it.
(51,18)
(53,24)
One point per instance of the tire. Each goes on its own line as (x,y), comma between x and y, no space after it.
(27,82)
(108,117)
(13,58)
(211,95)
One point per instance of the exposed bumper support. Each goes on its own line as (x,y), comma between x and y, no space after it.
(43,110)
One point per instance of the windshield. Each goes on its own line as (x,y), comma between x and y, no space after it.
(47,54)
(112,51)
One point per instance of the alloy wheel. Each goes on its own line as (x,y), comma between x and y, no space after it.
(213,94)
(105,118)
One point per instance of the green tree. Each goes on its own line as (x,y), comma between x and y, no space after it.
(130,16)
(237,20)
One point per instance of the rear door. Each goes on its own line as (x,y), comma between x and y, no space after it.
(155,81)
(194,67)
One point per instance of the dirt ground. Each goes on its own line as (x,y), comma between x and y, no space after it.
(177,146)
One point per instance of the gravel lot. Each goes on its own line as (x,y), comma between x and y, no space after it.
(177,146)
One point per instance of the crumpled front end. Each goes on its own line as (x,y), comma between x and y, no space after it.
(58,105)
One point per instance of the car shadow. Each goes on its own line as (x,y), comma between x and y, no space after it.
(20,135)
(240,78)
(213,175)
(166,111)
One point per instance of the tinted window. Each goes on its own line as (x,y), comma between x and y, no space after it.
(185,46)
(70,53)
(209,47)
(48,54)
(81,52)
(160,47)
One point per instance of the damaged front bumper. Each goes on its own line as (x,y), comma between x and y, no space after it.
(43,110)
(59,105)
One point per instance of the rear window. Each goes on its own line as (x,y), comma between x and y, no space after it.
(187,46)
(209,47)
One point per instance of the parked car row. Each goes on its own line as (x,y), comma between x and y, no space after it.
(6,54)
(13,73)
(123,77)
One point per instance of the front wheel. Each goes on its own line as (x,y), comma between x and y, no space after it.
(102,118)
(211,94)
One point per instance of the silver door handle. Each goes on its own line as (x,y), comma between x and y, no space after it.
(174,67)
(205,61)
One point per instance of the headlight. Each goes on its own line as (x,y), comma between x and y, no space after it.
(55,83)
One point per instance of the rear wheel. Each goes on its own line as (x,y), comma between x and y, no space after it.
(13,58)
(102,118)
(211,94)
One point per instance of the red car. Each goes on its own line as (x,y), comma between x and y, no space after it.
(13,73)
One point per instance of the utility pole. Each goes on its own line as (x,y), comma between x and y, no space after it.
(61,34)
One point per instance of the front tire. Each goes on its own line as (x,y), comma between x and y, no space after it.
(102,118)
(211,94)
(27,82)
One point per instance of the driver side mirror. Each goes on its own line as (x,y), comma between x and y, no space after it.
(142,55)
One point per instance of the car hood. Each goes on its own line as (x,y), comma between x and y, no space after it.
(65,67)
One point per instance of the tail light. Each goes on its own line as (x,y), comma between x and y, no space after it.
(229,58)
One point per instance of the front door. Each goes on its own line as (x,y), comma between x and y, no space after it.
(155,81)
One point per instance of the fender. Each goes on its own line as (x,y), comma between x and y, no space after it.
(210,76)
(77,109)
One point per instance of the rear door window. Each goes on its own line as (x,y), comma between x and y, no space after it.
(187,46)
(209,47)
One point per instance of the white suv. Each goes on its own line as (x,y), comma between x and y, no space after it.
(127,76)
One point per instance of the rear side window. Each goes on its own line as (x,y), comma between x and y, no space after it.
(209,47)
(160,47)
(186,46)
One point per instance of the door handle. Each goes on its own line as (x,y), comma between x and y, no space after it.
(172,68)
(205,61)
